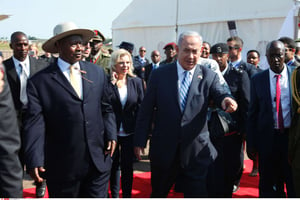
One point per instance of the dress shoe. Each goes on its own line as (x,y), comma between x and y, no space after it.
(235,188)
(40,189)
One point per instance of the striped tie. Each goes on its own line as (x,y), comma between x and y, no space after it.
(184,89)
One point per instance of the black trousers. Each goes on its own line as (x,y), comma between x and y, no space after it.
(274,169)
(93,185)
(193,180)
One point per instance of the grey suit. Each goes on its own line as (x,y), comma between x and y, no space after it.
(180,141)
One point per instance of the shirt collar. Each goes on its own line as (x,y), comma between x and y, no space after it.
(64,66)
(236,63)
(283,73)
(25,64)
(180,70)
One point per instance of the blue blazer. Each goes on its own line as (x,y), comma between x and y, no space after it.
(64,133)
(127,115)
(260,126)
(172,128)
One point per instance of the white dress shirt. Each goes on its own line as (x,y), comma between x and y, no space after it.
(285,97)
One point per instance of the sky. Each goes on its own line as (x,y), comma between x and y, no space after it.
(38,18)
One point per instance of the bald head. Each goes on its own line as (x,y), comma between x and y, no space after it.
(275,55)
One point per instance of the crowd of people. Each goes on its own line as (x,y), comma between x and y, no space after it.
(76,123)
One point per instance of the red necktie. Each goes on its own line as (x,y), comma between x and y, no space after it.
(278,104)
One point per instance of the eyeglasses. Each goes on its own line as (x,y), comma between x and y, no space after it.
(233,47)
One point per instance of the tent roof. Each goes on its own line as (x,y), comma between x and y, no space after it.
(156,13)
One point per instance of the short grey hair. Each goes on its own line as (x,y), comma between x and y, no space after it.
(188,33)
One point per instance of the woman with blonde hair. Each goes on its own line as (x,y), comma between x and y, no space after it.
(127,95)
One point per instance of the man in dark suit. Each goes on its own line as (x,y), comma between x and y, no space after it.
(70,130)
(268,124)
(228,164)
(290,49)
(179,93)
(19,68)
(11,172)
(155,57)
(235,45)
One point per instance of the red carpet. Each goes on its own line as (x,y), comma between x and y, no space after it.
(142,187)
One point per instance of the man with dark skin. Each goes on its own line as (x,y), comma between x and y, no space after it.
(171,53)
(19,44)
(269,122)
(70,130)
(98,55)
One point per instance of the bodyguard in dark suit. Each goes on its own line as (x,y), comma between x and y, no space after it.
(16,66)
(228,165)
(179,93)
(70,130)
(155,57)
(19,44)
(235,45)
(269,122)
(11,172)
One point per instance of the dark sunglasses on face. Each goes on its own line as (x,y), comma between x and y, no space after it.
(233,47)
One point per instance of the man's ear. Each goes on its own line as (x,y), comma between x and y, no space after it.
(10,45)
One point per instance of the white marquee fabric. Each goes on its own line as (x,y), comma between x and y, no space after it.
(153,23)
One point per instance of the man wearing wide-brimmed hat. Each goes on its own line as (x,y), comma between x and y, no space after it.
(99,55)
(70,129)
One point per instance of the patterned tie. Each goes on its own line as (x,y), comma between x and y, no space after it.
(23,82)
(278,104)
(74,81)
(184,89)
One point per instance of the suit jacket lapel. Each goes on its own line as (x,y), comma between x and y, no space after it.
(87,79)
(33,66)
(266,87)
(11,71)
(60,78)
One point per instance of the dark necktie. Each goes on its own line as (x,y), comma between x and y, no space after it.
(278,104)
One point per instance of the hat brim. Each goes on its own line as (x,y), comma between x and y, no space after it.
(49,45)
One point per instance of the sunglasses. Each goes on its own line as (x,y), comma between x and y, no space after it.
(142,50)
(288,49)
(233,47)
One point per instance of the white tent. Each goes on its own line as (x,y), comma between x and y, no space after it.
(154,23)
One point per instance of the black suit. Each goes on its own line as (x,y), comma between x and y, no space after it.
(271,146)
(180,141)
(68,135)
(127,116)
(15,87)
(249,68)
(148,70)
(228,164)
(11,172)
